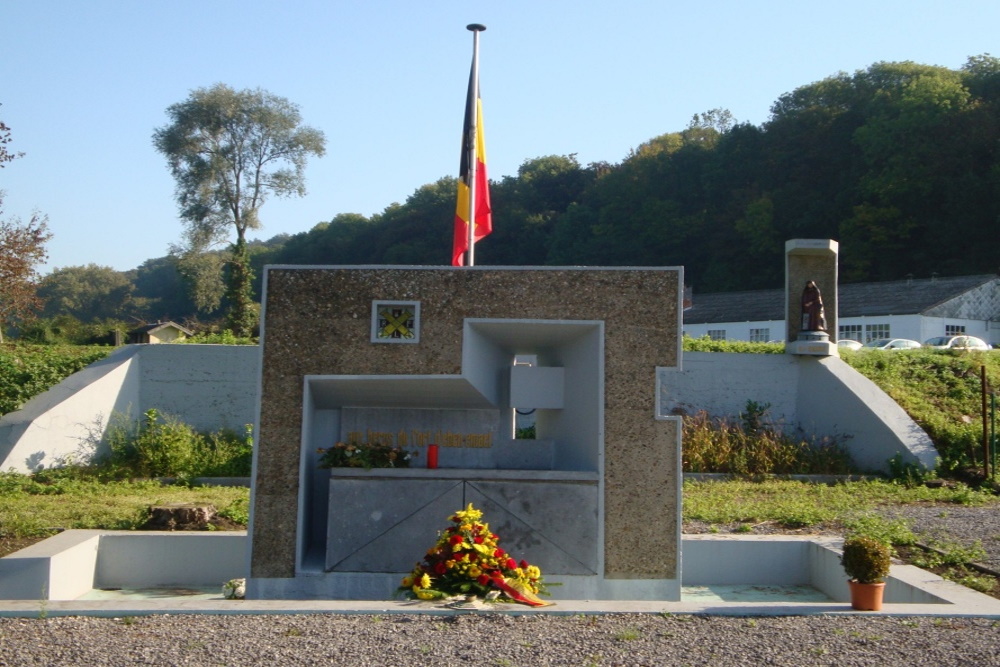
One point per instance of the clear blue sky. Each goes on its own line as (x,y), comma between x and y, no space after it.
(84,83)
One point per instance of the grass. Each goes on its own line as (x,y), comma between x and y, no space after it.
(794,504)
(940,390)
(37,506)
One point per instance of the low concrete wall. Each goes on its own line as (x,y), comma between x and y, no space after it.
(69,565)
(823,396)
(72,563)
(207,386)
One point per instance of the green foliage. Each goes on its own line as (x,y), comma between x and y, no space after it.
(950,554)
(940,390)
(752,445)
(162,446)
(890,531)
(78,497)
(793,503)
(68,330)
(364,455)
(28,370)
(866,559)
(706,344)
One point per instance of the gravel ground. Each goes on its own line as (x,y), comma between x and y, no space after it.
(496,639)
(948,524)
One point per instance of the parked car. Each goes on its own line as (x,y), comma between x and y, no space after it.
(849,344)
(891,344)
(956,343)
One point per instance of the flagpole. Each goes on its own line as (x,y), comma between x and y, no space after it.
(476,28)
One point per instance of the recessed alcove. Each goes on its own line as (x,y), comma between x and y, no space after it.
(353,515)
(598,462)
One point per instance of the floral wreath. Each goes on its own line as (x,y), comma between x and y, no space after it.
(467,561)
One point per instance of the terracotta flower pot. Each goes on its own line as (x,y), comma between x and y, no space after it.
(867,597)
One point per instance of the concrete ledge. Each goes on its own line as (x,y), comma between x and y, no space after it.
(45,579)
(69,564)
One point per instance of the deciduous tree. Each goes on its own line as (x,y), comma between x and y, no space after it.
(22,249)
(228,151)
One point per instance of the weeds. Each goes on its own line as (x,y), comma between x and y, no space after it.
(754,445)
(163,446)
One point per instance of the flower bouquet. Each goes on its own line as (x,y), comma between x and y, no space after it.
(234,589)
(467,561)
(364,455)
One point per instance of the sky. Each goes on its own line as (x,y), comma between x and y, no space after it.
(84,83)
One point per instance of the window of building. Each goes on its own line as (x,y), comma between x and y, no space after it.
(876,331)
(760,335)
(717,334)
(954,329)
(851,332)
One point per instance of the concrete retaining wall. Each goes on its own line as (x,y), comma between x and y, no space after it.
(215,386)
(822,396)
(207,386)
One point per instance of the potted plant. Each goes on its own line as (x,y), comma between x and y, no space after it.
(866,561)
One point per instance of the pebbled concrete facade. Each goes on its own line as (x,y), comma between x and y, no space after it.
(316,321)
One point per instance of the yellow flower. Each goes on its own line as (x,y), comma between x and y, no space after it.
(533,572)
(425,595)
(474,571)
(425,581)
(407,582)
(469,514)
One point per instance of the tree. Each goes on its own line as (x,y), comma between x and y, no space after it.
(87,293)
(22,249)
(228,151)
(5,155)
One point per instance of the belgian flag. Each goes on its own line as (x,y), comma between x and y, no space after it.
(472,180)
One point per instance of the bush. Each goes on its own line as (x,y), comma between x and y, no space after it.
(755,446)
(866,560)
(163,446)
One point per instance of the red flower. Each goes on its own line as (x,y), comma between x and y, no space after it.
(523,564)
(483,580)
(456,539)
(478,539)
(440,568)
(511,563)
(499,553)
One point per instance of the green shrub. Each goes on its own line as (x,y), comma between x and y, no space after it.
(163,446)
(866,560)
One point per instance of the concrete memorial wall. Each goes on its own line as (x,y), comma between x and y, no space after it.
(414,356)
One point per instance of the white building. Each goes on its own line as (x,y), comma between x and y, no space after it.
(914,308)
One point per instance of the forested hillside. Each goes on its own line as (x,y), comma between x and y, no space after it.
(898,162)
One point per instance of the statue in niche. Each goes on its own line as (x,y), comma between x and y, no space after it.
(813,317)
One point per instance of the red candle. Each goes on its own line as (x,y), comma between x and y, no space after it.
(432,456)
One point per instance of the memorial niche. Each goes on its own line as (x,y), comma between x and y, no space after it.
(542,492)
(318,358)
